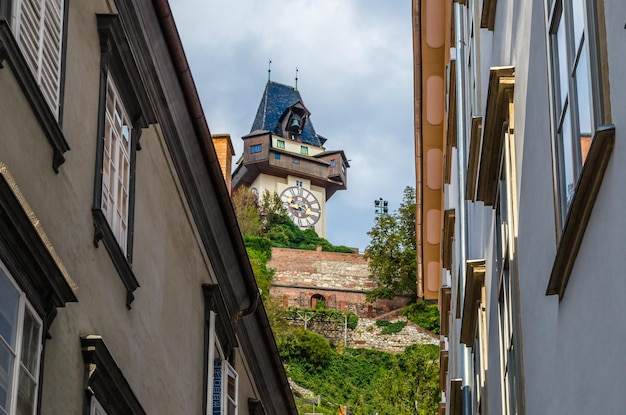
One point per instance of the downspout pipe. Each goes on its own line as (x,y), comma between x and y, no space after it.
(203,134)
(464,352)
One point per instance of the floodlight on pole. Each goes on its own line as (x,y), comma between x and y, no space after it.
(381,206)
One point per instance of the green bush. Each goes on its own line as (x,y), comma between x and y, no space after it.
(259,243)
(395,327)
(305,347)
(424,315)
(370,381)
(353,320)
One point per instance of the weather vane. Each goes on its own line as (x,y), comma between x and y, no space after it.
(296,78)
(269,70)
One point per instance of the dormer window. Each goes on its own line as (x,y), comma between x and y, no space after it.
(293,121)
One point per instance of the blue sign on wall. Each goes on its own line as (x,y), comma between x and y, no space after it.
(217,387)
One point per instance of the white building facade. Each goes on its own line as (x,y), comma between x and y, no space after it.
(532,285)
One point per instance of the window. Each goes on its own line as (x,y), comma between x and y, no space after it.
(280,144)
(508,307)
(107,391)
(116,165)
(221,380)
(124,111)
(332,162)
(304,150)
(255,148)
(20,349)
(575,92)
(583,138)
(38,28)
(277,156)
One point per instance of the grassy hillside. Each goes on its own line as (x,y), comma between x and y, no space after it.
(368,381)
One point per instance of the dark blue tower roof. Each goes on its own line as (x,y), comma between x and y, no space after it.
(277,98)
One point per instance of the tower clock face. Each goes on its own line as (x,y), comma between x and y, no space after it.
(302,206)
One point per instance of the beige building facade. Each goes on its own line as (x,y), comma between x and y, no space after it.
(125,286)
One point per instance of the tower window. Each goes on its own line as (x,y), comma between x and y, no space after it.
(255,148)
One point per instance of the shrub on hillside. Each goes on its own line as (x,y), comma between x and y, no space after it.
(424,315)
(306,347)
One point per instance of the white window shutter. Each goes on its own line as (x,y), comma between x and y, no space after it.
(38,27)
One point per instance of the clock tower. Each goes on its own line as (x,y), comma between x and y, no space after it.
(284,154)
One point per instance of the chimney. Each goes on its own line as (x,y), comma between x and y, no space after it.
(225,152)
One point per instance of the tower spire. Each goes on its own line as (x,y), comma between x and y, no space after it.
(296,78)
(269,70)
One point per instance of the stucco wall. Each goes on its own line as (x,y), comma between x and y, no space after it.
(159,343)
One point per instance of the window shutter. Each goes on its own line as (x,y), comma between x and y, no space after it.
(39,29)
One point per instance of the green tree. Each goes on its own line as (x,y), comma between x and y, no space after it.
(392,250)
(247,211)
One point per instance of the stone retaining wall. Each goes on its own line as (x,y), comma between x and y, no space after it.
(341,280)
(368,336)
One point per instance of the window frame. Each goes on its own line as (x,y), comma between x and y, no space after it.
(219,343)
(571,220)
(117,62)
(38,68)
(565,108)
(23,306)
(105,381)
(509,326)
(11,53)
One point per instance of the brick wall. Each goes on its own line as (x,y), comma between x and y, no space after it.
(224,150)
(342,280)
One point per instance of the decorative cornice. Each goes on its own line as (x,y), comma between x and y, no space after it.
(444,309)
(451,136)
(28,211)
(499,96)
(488,15)
(448,238)
(105,380)
(474,283)
(473,158)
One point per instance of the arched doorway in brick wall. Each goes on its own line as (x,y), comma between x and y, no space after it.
(318,300)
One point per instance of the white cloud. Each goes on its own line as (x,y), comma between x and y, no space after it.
(355,76)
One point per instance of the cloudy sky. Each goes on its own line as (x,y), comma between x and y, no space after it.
(355,76)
